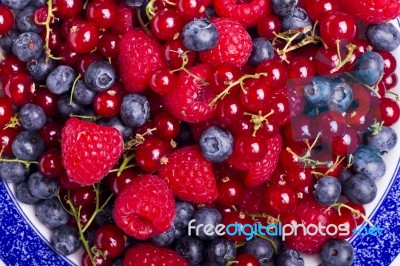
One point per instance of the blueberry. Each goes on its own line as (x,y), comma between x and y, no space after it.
(318,91)
(82,93)
(220,251)
(262,50)
(340,98)
(165,239)
(38,3)
(60,80)
(7,40)
(327,190)
(39,69)
(382,141)
(179,232)
(209,217)
(51,213)
(383,36)
(28,46)
(289,258)
(369,68)
(23,195)
(66,108)
(42,187)
(116,123)
(210,12)
(32,117)
(360,189)
(105,216)
(64,239)
(367,162)
(118,262)
(216,144)
(13,172)
(337,252)
(200,35)
(100,76)
(134,3)
(283,7)
(135,110)
(261,249)
(191,248)
(297,18)
(28,146)
(184,213)
(15,4)
(25,22)
(344,175)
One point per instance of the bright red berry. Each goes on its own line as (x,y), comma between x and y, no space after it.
(6,20)
(146,254)
(109,238)
(372,11)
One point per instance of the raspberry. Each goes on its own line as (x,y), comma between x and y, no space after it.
(140,54)
(248,13)
(190,99)
(145,207)
(146,254)
(190,176)
(234,44)
(89,151)
(373,11)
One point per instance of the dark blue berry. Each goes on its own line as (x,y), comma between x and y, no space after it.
(116,123)
(38,3)
(179,232)
(341,98)
(42,187)
(100,76)
(23,195)
(327,190)
(65,240)
(191,248)
(25,22)
(289,258)
(135,110)
(185,137)
(7,40)
(67,107)
(200,35)
(206,216)
(216,144)
(359,189)
(369,68)
(344,175)
(385,36)
(165,239)
(297,18)
(28,46)
(134,3)
(82,93)
(283,7)
(184,213)
(28,146)
(16,4)
(13,172)
(60,80)
(262,50)
(220,251)
(39,69)
(32,117)
(261,249)
(382,141)
(337,252)
(105,216)
(51,213)
(318,91)
(366,161)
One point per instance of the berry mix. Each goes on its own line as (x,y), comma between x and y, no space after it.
(124,120)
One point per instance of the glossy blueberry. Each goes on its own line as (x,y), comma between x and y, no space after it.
(366,161)
(344,175)
(382,141)
(262,50)
(28,146)
(65,240)
(100,76)
(359,189)
(165,239)
(297,18)
(7,40)
(289,258)
(337,252)
(283,7)
(369,68)
(82,93)
(13,172)
(15,4)
(184,213)
(385,36)
(25,22)
(28,46)
(134,3)
(327,190)
(23,195)
(206,216)
(191,248)
(220,251)
(318,91)
(39,69)
(200,35)
(216,144)
(51,213)
(32,117)
(116,123)
(66,108)
(42,187)
(135,110)
(340,98)
(261,249)
(60,80)
(179,232)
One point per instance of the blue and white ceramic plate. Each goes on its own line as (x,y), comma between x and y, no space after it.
(25,241)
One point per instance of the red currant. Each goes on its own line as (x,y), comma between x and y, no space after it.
(251,148)
(166,25)
(241,219)
(47,100)
(230,189)
(162,81)
(50,164)
(109,238)
(67,8)
(6,111)
(108,45)
(268,26)
(11,66)
(173,51)
(387,111)
(107,103)
(102,13)
(318,9)
(167,126)
(7,136)
(19,89)
(346,144)
(256,95)
(82,36)
(6,20)
(276,72)
(246,260)
(280,198)
(189,10)
(150,155)
(338,28)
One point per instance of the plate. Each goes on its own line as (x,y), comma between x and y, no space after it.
(25,241)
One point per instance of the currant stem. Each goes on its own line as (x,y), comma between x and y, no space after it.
(73,88)
(185,61)
(376,127)
(372,89)
(340,205)
(14,122)
(49,17)
(96,212)
(397,97)
(126,167)
(150,9)
(27,163)
(94,118)
(350,50)
(258,120)
(141,22)
(124,163)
